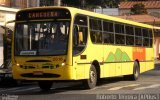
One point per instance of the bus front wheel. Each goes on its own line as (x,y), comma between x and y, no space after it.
(92,81)
(45,85)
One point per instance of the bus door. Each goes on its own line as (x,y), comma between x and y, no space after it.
(80,32)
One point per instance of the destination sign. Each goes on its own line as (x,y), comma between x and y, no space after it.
(37,14)
(43,14)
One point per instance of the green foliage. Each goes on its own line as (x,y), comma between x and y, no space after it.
(93,3)
(111,3)
(138,9)
(74,3)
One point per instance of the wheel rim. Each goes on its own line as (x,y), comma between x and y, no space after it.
(92,76)
(136,73)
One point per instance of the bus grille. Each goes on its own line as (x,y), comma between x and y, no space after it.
(45,75)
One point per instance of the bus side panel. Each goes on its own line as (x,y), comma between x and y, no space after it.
(95,53)
(124,56)
(127,68)
(142,66)
(78,66)
(86,73)
(109,69)
(119,60)
(149,66)
(149,59)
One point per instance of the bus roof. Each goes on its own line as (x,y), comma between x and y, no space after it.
(158,28)
(93,14)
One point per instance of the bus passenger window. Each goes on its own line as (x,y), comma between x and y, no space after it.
(108,32)
(130,40)
(96,37)
(96,30)
(145,37)
(108,37)
(138,41)
(138,36)
(151,38)
(119,34)
(129,35)
(145,42)
(120,39)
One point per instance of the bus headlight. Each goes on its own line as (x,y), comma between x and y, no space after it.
(17,64)
(63,64)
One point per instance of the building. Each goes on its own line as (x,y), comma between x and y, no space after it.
(152,6)
(20,4)
(145,18)
(6,3)
(28,3)
(49,2)
(6,14)
(46,2)
(108,11)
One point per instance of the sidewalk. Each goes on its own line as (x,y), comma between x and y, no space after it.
(157,62)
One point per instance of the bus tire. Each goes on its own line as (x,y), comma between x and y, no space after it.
(45,85)
(92,81)
(136,72)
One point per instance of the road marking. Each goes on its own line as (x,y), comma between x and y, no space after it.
(26,89)
(147,87)
(120,87)
(11,89)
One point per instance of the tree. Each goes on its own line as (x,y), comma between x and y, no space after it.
(91,3)
(138,9)
(74,3)
(111,3)
(103,3)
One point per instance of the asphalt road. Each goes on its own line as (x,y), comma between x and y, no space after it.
(147,87)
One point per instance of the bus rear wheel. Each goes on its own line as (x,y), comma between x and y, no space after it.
(136,71)
(92,81)
(45,85)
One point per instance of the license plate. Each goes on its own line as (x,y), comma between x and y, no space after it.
(38,73)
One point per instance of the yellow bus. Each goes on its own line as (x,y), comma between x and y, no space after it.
(64,43)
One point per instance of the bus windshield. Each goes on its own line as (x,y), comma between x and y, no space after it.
(41,38)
